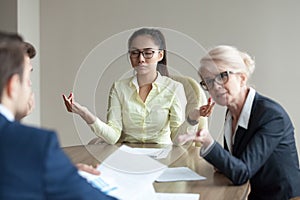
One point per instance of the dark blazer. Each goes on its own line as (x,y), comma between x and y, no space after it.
(33,166)
(265,153)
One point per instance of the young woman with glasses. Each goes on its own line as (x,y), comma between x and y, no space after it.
(259,143)
(146,108)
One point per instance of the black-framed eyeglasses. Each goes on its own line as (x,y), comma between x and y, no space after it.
(147,53)
(221,78)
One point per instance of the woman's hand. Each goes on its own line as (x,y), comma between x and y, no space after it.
(203,136)
(74,107)
(88,168)
(71,104)
(204,111)
(207,109)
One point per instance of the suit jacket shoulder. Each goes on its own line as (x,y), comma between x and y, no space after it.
(36,167)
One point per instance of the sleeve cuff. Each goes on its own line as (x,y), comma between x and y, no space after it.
(205,151)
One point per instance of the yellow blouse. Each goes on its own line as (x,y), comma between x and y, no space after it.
(160,119)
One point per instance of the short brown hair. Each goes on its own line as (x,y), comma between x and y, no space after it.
(29,50)
(11,60)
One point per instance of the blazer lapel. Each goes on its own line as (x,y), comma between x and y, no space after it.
(238,140)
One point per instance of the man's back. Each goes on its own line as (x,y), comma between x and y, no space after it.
(33,166)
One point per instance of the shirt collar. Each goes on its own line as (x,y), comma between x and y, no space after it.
(6,113)
(243,119)
(158,81)
(246,111)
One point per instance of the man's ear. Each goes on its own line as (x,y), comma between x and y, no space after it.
(13,85)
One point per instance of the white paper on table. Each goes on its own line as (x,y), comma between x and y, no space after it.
(177,196)
(156,153)
(97,181)
(179,174)
(125,160)
(130,186)
(127,175)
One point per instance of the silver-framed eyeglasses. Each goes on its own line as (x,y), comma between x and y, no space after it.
(221,79)
(147,53)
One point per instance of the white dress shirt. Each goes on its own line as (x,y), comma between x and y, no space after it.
(6,113)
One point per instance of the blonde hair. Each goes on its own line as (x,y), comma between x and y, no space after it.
(229,56)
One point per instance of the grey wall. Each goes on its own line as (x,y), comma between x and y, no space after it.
(29,28)
(71,29)
(8,15)
(23,17)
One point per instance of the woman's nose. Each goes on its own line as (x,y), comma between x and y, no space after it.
(141,58)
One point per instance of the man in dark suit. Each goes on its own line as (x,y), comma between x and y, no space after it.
(33,166)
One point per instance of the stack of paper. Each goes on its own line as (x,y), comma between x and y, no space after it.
(125,160)
(126,174)
(156,153)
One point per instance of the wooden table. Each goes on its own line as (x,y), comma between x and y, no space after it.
(215,187)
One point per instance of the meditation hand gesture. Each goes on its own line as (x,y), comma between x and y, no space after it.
(71,104)
(74,107)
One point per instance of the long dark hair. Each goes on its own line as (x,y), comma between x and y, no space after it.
(160,41)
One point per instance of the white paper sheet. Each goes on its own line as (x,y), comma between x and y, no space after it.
(179,174)
(127,176)
(156,153)
(125,160)
(130,186)
(106,186)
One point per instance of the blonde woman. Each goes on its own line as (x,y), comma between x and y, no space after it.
(259,143)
